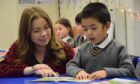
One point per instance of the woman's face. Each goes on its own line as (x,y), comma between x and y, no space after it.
(61,31)
(40,32)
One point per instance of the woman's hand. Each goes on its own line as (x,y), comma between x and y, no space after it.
(40,69)
(45,73)
(41,66)
(31,70)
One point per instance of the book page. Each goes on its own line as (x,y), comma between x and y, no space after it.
(118,81)
(57,79)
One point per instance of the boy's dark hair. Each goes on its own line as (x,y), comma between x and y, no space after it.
(78,18)
(96,10)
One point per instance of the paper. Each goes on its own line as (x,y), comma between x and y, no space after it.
(118,81)
(57,79)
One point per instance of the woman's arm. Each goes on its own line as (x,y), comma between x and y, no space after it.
(8,68)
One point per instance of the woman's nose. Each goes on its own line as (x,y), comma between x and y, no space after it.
(43,33)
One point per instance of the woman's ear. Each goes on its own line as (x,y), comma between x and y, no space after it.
(68,29)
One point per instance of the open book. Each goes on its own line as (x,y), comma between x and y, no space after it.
(60,79)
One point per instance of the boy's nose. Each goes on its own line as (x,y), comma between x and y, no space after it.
(89,32)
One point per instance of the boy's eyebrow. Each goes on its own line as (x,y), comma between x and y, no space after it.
(92,25)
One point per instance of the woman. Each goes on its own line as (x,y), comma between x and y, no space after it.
(36,51)
(64,30)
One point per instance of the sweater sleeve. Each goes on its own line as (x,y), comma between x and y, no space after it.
(126,67)
(8,68)
(73,66)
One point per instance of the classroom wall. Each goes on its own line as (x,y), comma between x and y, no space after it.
(70,8)
(124,24)
(126,27)
(137,29)
(10,13)
(8,23)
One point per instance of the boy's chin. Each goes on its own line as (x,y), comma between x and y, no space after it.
(93,42)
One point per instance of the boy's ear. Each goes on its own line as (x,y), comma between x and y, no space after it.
(108,25)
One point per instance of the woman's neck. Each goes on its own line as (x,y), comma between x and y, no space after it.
(40,54)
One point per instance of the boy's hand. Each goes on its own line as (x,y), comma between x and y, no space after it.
(98,75)
(82,75)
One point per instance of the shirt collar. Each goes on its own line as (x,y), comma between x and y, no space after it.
(104,43)
(84,37)
(66,38)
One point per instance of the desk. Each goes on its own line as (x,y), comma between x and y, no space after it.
(27,80)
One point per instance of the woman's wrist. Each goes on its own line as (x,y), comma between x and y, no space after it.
(28,71)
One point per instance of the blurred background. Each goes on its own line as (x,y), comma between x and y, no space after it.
(125,15)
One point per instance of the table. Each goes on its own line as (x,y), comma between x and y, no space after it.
(27,80)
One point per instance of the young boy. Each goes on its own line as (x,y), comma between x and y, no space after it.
(101,56)
(80,34)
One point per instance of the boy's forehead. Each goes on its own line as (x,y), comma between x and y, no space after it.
(90,18)
(89,21)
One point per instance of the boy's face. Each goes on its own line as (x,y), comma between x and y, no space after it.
(95,31)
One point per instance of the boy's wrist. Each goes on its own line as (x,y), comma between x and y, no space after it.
(79,71)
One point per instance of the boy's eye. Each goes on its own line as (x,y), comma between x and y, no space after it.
(85,29)
(93,28)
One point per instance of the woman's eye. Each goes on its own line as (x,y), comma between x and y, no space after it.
(36,31)
(46,27)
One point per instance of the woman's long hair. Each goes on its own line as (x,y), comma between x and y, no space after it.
(26,48)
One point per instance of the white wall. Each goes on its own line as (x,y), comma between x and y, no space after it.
(8,23)
(137,29)
(10,12)
(70,8)
(126,27)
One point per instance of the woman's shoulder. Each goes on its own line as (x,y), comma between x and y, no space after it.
(14,45)
(13,48)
